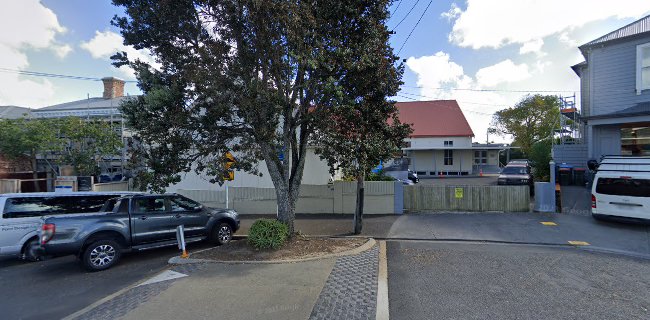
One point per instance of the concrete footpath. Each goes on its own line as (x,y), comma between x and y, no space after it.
(335,288)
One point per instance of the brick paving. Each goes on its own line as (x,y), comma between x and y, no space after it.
(125,302)
(350,292)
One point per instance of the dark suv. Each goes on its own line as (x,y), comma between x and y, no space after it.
(516,174)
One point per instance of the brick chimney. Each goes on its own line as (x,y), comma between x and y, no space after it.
(113,87)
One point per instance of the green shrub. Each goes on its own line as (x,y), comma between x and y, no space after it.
(268,234)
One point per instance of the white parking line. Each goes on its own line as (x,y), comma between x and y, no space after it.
(164,276)
(382,284)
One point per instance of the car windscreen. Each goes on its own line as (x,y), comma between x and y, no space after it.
(20,207)
(514,170)
(623,187)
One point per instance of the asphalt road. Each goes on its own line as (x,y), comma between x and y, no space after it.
(428,280)
(56,288)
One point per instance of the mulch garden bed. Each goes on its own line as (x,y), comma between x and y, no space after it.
(298,247)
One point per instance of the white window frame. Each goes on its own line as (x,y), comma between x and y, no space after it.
(639,80)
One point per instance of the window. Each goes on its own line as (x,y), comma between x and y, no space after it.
(449,157)
(149,205)
(37,206)
(635,140)
(180,203)
(480,157)
(623,187)
(449,143)
(642,67)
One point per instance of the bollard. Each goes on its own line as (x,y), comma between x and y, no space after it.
(180,237)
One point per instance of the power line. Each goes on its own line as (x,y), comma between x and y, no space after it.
(491,90)
(460,101)
(415,26)
(470,111)
(398,4)
(52,75)
(407,14)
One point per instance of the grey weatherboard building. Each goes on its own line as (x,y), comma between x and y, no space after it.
(615,96)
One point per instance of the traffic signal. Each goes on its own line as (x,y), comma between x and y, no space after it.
(229,174)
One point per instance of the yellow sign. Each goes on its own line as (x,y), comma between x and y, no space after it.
(459,193)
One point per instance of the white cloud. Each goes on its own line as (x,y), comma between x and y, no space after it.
(27,25)
(438,75)
(105,44)
(533,46)
(453,13)
(62,51)
(438,71)
(504,71)
(495,23)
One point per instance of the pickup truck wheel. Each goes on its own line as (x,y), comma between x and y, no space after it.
(101,255)
(30,251)
(221,234)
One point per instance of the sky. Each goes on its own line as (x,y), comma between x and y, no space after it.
(486,54)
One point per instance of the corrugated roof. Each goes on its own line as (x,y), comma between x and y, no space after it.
(92,103)
(13,112)
(637,27)
(438,118)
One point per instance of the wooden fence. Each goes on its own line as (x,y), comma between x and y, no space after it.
(467,198)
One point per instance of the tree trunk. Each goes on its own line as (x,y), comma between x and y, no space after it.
(286,208)
(358,212)
(37,187)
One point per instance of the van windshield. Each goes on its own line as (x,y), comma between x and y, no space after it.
(623,187)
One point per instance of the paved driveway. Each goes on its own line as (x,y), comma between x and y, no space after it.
(525,228)
(488,281)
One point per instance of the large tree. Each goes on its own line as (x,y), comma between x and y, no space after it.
(30,138)
(364,128)
(250,76)
(534,118)
(88,142)
(66,141)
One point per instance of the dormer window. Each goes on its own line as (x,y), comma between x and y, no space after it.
(642,67)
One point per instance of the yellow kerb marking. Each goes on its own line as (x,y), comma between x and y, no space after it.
(548,223)
(579,243)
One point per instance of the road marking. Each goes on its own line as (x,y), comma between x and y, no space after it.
(548,223)
(382,284)
(163,276)
(103,300)
(578,243)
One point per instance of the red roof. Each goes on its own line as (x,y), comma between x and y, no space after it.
(438,118)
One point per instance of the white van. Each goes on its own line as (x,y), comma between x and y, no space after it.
(621,188)
(20,216)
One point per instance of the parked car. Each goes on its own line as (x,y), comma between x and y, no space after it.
(413,176)
(621,188)
(134,223)
(20,216)
(516,174)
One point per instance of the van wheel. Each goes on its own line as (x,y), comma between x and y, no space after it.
(221,234)
(30,252)
(101,255)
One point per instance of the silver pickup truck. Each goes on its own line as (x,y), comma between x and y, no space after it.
(133,223)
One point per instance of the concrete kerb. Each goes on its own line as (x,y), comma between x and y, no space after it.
(366,246)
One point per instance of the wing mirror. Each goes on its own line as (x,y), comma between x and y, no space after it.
(593,165)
